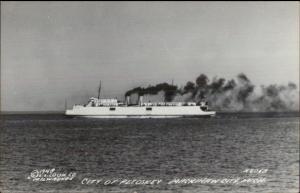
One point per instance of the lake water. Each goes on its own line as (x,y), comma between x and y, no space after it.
(230,146)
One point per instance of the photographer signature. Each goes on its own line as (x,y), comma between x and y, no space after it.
(50,175)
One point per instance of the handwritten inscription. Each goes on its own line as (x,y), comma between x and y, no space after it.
(255,171)
(237,180)
(44,175)
(89,181)
(50,175)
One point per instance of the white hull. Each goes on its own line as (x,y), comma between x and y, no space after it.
(139,112)
(128,116)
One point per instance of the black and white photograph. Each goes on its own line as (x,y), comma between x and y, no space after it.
(149,97)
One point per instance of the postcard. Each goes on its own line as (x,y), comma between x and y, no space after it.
(149,97)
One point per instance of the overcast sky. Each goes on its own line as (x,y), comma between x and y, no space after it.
(52,51)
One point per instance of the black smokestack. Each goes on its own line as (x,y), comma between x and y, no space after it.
(169,91)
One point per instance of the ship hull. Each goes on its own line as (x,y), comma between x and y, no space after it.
(139,112)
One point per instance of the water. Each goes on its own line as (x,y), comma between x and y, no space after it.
(215,148)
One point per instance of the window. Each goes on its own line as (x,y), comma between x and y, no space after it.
(112,108)
(149,109)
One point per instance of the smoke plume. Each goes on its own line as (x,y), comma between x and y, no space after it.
(169,91)
(238,94)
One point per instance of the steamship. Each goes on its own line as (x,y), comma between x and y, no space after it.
(112,108)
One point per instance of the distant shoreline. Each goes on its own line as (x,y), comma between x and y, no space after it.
(30,112)
(62,112)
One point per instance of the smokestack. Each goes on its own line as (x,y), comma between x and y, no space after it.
(128,100)
(140,100)
(99,90)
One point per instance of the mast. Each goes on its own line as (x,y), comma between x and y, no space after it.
(99,90)
(66,105)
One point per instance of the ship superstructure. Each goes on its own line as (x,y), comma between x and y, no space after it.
(112,108)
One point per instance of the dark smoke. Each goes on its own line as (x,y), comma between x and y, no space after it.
(237,94)
(202,86)
(189,87)
(278,97)
(245,90)
(169,91)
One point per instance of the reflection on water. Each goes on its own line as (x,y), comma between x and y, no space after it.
(165,149)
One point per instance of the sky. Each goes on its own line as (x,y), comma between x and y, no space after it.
(57,51)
